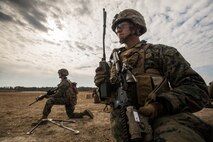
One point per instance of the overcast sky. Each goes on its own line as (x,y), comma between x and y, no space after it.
(38,37)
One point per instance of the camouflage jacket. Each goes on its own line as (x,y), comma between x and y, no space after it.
(187,90)
(65,90)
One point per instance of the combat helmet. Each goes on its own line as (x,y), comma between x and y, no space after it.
(63,72)
(130,15)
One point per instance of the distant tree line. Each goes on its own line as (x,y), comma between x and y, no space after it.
(21,88)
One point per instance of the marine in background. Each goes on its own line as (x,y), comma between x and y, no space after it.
(66,94)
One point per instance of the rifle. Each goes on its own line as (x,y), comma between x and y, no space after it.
(105,86)
(41,97)
(134,125)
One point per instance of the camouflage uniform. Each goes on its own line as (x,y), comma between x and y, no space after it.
(163,77)
(65,95)
(187,93)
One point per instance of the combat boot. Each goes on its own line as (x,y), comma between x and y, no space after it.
(88,113)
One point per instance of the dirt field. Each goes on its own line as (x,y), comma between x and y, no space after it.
(16,118)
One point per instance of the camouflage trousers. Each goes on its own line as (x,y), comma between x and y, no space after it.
(182,127)
(69,107)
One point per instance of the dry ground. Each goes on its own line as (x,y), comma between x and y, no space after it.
(16,118)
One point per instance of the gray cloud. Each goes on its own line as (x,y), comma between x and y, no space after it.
(24,3)
(83,67)
(51,42)
(29,9)
(84,7)
(5,17)
(34,22)
(83,46)
(80,45)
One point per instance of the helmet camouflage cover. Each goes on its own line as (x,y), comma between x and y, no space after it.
(130,15)
(63,72)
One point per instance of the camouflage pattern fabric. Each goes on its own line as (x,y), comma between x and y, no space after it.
(188,94)
(66,90)
(116,127)
(61,101)
(64,96)
(182,127)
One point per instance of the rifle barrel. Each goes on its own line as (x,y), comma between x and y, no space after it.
(33,102)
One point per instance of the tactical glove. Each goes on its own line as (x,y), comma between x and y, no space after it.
(100,76)
(152,110)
